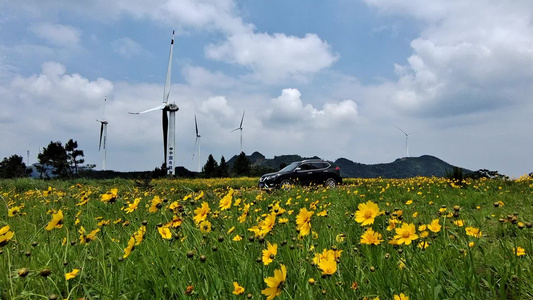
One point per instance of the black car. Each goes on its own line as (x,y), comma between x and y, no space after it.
(306,172)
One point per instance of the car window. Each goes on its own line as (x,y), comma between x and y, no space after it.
(306,167)
(320,165)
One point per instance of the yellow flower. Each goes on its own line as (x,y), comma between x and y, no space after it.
(366,213)
(205,226)
(5,235)
(165,233)
(328,267)
(472,231)
(371,238)
(129,248)
(157,202)
(341,237)
(459,223)
(269,253)
(56,222)
(89,237)
(225,202)
(519,251)
(435,226)
(201,213)
(239,290)
(409,202)
(73,274)
(406,234)
(132,206)
(237,238)
(303,221)
(423,245)
(401,296)
(276,283)
(110,197)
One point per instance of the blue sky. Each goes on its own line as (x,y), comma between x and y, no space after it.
(327,78)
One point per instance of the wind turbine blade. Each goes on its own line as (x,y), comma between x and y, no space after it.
(169,72)
(161,106)
(101,132)
(242,119)
(195,147)
(165,133)
(401,130)
(196,125)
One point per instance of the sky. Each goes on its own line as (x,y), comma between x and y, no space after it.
(338,78)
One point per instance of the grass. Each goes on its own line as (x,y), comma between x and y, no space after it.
(204,265)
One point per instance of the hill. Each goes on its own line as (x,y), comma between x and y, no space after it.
(425,165)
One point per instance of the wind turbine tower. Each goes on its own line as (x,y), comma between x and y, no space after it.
(169,118)
(240,128)
(406,141)
(197,144)
(103,136)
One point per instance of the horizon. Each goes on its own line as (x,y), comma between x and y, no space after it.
(332,79)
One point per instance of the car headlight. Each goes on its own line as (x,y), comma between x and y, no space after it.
(271,177)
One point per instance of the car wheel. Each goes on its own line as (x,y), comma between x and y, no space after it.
(331,183)
(285,184)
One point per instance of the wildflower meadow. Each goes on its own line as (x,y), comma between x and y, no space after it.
(418,238)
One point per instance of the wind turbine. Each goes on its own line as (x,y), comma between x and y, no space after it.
(406,140)
(103,135)
(240,127)
(197,143)
(169,118)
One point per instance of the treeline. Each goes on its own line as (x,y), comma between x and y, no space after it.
(55,160)
(241,167)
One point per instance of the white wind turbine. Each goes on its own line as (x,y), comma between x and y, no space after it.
(240,127)
(406,140)
(169,118)
(103,135)
(197,144)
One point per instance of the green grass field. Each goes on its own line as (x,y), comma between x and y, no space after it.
(224,239)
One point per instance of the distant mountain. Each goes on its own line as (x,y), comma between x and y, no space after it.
(425,165)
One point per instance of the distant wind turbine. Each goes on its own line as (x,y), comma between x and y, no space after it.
(240,127)
(103,135)
(406,140)
(197,144)
(169,118)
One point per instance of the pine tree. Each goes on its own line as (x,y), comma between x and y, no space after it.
(223,168)
(55,156)
(13,167)
(210,168)
(71,148)
(241,167)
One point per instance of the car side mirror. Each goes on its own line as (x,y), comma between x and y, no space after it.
(297,169)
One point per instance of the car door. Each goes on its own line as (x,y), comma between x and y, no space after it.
(320,172)
(304,173)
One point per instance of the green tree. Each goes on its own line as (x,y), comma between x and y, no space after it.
(55,156)
(210,168)
(241,167)
(13,167)
(73,156)
(223,168)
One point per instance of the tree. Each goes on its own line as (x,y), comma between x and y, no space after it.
(71,147)
(223,168)
(241,167)
(55,156)
(13,167)
(210,168)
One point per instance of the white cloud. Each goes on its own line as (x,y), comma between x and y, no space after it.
(288,110)
(127,47)
(462,61)
(58,34)
(275,57)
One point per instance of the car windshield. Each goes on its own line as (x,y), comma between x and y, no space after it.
(290,167)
